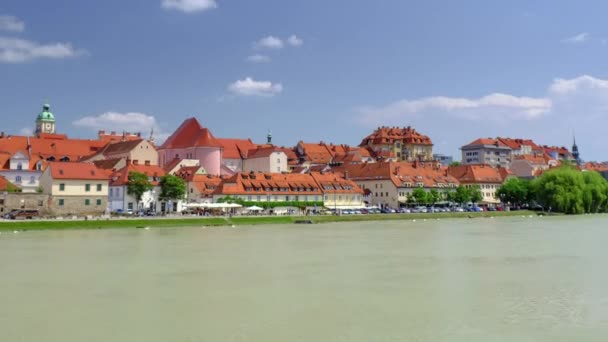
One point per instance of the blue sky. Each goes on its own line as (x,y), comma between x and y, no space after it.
(311,70)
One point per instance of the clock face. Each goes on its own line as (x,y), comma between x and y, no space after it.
(48,126)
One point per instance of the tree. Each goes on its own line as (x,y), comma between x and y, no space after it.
(137,185)
(454,163)
(172,188)
(595,192)
(514,191)
(475,194)
(562,190)
(421,196)
(433,196)
(462,195)
(449,195)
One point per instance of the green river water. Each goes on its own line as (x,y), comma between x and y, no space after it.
(508,279)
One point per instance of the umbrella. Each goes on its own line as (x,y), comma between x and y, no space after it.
(254,208)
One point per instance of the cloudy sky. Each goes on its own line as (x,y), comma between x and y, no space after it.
(311,70)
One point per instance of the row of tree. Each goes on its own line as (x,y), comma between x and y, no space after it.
(462,194)
(565,189)
(171,187)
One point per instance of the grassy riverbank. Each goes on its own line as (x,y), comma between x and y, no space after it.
(238,221)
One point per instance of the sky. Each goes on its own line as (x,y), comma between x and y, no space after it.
(313,70)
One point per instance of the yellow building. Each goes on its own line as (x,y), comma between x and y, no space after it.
(399,144)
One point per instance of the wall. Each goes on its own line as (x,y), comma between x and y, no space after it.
(75,205)
(210,157)
(275,163)
(384,192)
(78,188)
(120,199)
(11,201)
(30,180)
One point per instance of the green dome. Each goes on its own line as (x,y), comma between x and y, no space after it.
(46,115)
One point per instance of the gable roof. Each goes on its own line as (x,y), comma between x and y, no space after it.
(236,148)
(76,171)
(486,142)
(191,134)
(400,173)
(121,177)
(478,173)
(263,152)
(390,135)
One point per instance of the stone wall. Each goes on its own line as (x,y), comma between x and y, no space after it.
(11,201)
(75,205)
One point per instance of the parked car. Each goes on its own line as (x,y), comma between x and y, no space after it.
(404,210)
(9,214)
(24,214)
(459,210)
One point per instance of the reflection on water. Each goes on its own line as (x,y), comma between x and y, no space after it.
(516,279)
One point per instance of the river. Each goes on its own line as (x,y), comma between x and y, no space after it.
(508,279)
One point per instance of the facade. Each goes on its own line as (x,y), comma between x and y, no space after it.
(400,144)
(234,152)
(200,186)
(193,141)
(557,153)
(16,200)
(388,184)
(138,151)
(486,151)
(487,177)
(339,193)
(119,198)
(528,166)
(75,188)
(45,122)
(18,169)
(266,159)
(445,160)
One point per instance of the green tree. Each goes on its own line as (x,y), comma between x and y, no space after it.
(595,192)
(172,188)
(421,196)
(475,194)
(562,190)
(462,195)
(454,163)
(410,198)
(514,191)
(433,197)
(137,185)
(450,196)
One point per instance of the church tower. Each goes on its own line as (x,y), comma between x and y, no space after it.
(575,154)
(45,122)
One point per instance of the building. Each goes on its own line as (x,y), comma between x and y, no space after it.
(401,144)
(75,188)
(388,183)
(310,154)
(529,166)
(522,147)
(234,152)
(487,177)
(557,153)
(138,151)
(266,159)
(487,151)
(119,198)
(445,160)
(193,141)
(339,193)
(576,156)
(45,122)
(200,186)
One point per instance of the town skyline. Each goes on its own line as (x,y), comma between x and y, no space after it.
(465,75)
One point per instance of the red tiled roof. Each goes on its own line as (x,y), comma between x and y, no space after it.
(121,177)
(516,144)
(121,147)
(264,152)
(268,183)
(390,135)
(236,148)
(486,141)
(188,173)
(478,173)
(107,164)
(191,134)
(76,171)
(595,166)
(316,153)
(4,184)
(400,173)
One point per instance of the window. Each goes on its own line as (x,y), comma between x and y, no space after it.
(278,160)
(87,187)
(19,166)
(18,179)
(130,206)
(40,203)
(98,201)
(1,201)
(39,166)
(278,169)
(61,202)
(98,187)
(32,180)
(87,202)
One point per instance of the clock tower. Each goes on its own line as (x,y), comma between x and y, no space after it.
(45,122)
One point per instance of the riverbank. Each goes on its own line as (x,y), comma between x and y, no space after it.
(233,221)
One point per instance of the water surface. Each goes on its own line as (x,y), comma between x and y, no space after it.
(508,279)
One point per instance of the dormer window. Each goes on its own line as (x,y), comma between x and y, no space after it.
(19,166)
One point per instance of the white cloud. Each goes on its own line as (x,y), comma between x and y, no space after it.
(293,40)
(269,42)
(258,59)
(14,50)
(10,23)
(189,6)
(496,107)
(27,131)
(113,121)
(577,39)
(250,87)
(579,103)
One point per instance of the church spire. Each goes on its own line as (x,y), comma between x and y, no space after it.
(575,153)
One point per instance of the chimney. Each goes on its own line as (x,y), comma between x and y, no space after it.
(346,174)
(102,133)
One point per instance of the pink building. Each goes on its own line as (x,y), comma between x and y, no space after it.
(193,141)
